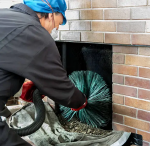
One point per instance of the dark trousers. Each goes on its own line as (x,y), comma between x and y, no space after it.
(8,137)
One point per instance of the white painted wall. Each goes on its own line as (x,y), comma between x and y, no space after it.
(8,3)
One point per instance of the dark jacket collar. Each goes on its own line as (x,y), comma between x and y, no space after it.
(25,9)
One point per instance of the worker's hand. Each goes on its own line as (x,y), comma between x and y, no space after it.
(83,106)
(27,91)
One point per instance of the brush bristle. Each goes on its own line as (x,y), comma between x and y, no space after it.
(98,110)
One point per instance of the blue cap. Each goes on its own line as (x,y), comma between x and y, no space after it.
(39,6)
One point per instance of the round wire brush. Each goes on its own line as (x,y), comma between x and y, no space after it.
(98,111)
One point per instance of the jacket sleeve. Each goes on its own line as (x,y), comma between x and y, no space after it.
(33,54)
(47,73)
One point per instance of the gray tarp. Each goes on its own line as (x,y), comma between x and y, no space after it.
(52,133)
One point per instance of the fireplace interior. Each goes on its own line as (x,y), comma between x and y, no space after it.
(86,56)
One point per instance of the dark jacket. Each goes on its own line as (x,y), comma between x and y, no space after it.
(28,51)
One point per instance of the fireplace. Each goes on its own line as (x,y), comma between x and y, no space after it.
(88,57)
(125,27)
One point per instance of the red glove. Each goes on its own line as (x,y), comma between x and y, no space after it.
(27,91)
(83,106)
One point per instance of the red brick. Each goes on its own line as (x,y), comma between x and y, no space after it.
(123,110)
(67,35)
(144,72)
(125,50)
(125,69)
(148,25)
(140,39)
(118,79)
(104,3)
(118,99)
(144,115)
(144,51)
(79,4)
(117,14)
(119,127)
(89,36)
(118,58)
(137,82)
(146,135)
(134,27)
(91,14)
(104,26)
(124,90)
(118,118)
(80,25)
(144,94)
(140,104)
(72,15)
(127,3)
(115,38)
(137,60)
(136,123)
(140,13)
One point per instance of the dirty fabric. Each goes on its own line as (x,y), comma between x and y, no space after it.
(53,134)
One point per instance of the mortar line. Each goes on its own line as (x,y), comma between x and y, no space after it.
(103,14)
(138,71)
(130,14)
(117,4)
(121,7)
(130,126)
(80,36)
(116,25)
(104,38)
(80,15)
(131,107)
(90,25)
(68,4)
(136,113)
(137,93)
(131,39)
(123,100)
(138,51)
(123,79)
(145,26)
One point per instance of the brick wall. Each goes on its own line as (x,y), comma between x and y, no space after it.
(131,90)
(105,21)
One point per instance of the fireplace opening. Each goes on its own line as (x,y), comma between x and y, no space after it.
(91,57)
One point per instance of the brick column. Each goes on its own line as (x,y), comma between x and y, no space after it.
(131,90)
